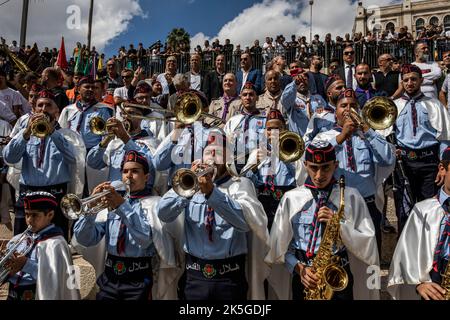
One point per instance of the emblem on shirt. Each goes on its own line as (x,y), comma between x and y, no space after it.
(412,155)
(119,268)
(278,194)
(209,271)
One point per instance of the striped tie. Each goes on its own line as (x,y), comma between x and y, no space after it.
(443,239)
(209,222)
(314,229)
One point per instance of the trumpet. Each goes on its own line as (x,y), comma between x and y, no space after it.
(185,181)
(26,238)
(100,127)
(41,128)
(378,113)
(73,207)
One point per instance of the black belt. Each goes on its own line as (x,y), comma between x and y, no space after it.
(53,189)
(128,268)
(369,199)
(418,154)
(22,293)
(216,269)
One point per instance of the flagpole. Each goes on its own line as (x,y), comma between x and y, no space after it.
(91,13)
(23,26)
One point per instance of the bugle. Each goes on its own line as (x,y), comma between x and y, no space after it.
(185,181)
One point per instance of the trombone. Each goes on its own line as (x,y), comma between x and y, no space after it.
(157,109)
(378,113)
(291,146)
(73,207)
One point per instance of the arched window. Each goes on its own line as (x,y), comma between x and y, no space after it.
(434,21)
(447,22)
(420,24)
(390,26)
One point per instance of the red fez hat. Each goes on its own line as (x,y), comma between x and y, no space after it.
(408,68)
(134,156)
(296,71)
(320,152)
(85,80)
(249,85)
(347,93)
(275,114)
(46,94)
(39,201)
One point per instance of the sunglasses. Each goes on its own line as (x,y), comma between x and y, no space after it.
(349,53)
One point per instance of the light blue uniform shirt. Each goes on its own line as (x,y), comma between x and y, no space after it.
(250,139)
(229,230)
(425,133)
(368,153)
(296,110)
(302,228)
(284,174)
(445,253)
(58,155)
(176,156)
(320,124)
(138,234)
(96,161)
(90,139)
(30,269)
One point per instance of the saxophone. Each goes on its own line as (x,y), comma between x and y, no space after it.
(332,277)
(445,283)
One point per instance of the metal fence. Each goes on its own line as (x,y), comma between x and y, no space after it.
(364,52)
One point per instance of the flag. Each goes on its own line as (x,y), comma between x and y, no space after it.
(62,60)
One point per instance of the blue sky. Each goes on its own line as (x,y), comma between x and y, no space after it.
(162,16)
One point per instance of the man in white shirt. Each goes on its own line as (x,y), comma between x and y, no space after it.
(10,101)
(195,75)
(431,72)
(166,78)
(14,48)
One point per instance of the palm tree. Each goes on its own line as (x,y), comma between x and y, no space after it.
(177,38)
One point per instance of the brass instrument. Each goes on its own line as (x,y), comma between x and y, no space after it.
(41,128)
(26,238)
(100,127)
(332,277)
(445,283)
(185,181)
(73,207)
(22,66)
(291,148)
(378,113)
(169,117)
(188,109)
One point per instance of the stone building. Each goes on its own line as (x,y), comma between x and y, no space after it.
(413,14)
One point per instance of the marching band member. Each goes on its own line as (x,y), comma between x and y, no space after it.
(184,144)
(273,177)
(298,104)
(46,162)
(422,131)
(218,223)
(40,267)
(361,153)
(32,99)
(110,153)
(324,120)
(77,116)
(296,234)
(132,234)
(246,130)
(420,260)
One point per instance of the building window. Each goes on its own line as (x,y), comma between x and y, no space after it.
(390,26)
(447,23)
(420,24)
(434,21)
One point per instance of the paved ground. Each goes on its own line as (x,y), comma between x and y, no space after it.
(87,276)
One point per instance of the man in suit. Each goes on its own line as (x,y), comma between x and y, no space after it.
(196,75)
(213,81)
(249,74)
(347,71)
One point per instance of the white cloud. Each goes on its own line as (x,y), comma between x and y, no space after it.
(287,17)
(47,21)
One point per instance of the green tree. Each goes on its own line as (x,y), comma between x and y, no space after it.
(179,38)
